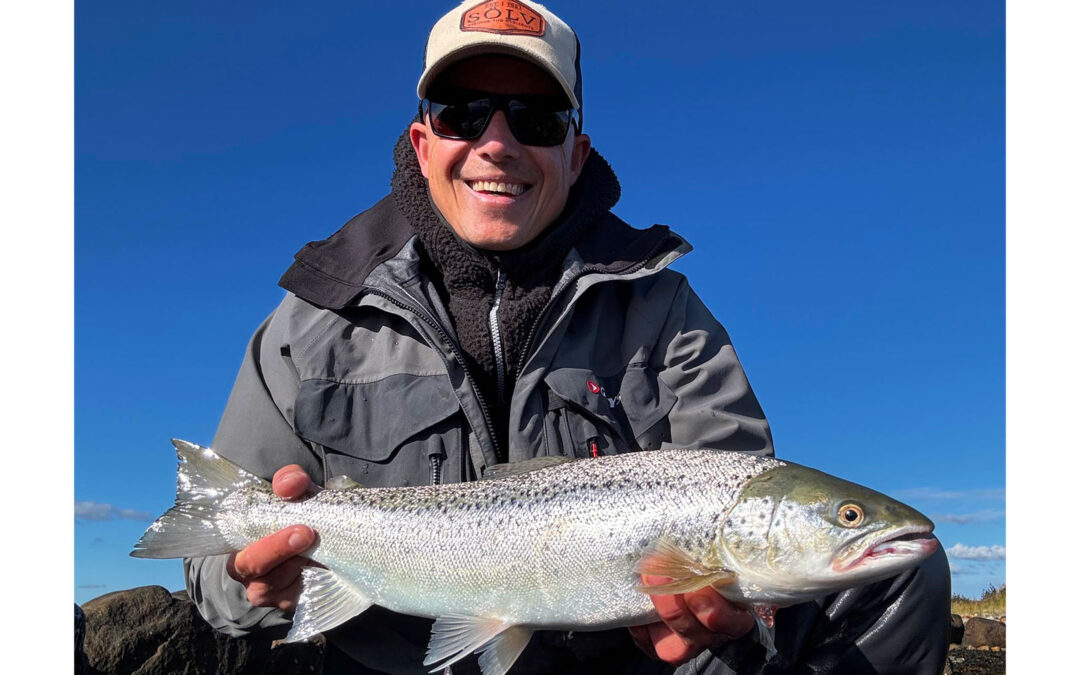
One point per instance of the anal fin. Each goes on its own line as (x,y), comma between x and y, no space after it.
(665,558)
(455,637)
(500,653)
(326,600)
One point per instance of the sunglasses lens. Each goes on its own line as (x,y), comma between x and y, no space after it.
(537,124)
(540,121)
(465,120)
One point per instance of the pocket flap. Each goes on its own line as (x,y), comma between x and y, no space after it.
(371,419)
(645,399)
(583,389)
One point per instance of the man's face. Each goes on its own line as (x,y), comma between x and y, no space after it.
(463,176)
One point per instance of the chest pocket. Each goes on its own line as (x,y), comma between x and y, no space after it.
(389,433)
(589,415)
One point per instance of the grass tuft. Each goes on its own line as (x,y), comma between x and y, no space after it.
(991,604)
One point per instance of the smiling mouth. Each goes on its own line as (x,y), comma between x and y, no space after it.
(497,187)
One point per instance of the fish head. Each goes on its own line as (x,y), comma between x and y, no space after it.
(797,529)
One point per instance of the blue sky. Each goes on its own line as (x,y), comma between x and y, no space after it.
(839,168)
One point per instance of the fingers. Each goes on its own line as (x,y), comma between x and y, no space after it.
(292,482)
(278,588)
(717,615)
(270,568)
(671,646)
(267,553)
(641,638)
(691,622)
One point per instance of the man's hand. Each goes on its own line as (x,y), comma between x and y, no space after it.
(270,568)
(689,624)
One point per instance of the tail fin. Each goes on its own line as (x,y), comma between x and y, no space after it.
(203,480)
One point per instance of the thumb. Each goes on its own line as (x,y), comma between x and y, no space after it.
(292,482)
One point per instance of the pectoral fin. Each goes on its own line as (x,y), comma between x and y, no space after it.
(326,600)
(455,637)
(665,558)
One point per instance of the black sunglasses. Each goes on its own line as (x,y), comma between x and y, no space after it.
(533,119)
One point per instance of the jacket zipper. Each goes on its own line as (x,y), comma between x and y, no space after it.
(496,336)
(457,353)
(436,469)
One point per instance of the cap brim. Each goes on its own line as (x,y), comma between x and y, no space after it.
(480,48)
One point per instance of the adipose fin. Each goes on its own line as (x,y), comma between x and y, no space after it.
(342,483)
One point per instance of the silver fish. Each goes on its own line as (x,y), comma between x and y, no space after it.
(559,547)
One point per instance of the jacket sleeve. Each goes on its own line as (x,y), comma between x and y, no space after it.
(714,404)
(255,432)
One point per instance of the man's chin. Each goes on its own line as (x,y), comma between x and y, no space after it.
(498,237)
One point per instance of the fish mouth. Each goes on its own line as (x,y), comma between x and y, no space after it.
(901,545)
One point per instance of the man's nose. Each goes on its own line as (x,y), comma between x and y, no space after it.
(498,142)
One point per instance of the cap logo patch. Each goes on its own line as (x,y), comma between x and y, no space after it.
(505,17)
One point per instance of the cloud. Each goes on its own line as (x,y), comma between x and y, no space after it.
(965,552)
(99,511)
(933,493)
(964,518)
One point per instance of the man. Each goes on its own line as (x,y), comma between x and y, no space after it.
(492,309)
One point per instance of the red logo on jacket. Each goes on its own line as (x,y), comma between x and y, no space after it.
(593,387)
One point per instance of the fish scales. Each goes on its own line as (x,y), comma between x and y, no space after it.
(556,546)
(553,548)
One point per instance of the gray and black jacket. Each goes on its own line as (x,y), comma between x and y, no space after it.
(359,372)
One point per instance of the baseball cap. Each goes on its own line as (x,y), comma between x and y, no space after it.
(528,31)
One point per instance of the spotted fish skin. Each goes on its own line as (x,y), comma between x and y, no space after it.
(554,548)
(561,547)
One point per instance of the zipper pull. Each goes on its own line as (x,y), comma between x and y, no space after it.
(594,446)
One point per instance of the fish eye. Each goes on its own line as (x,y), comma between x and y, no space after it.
(851,515)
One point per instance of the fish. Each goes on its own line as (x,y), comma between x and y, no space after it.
(554,543)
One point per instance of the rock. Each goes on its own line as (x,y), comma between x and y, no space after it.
(149,631)
(974,662)
(979,632)
(956,630)
(81,666)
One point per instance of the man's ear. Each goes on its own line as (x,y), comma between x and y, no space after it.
(579,153)
(418,136)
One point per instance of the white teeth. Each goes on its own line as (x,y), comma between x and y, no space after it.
(513,189)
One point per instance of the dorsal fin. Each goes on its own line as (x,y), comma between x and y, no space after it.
(525,466)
